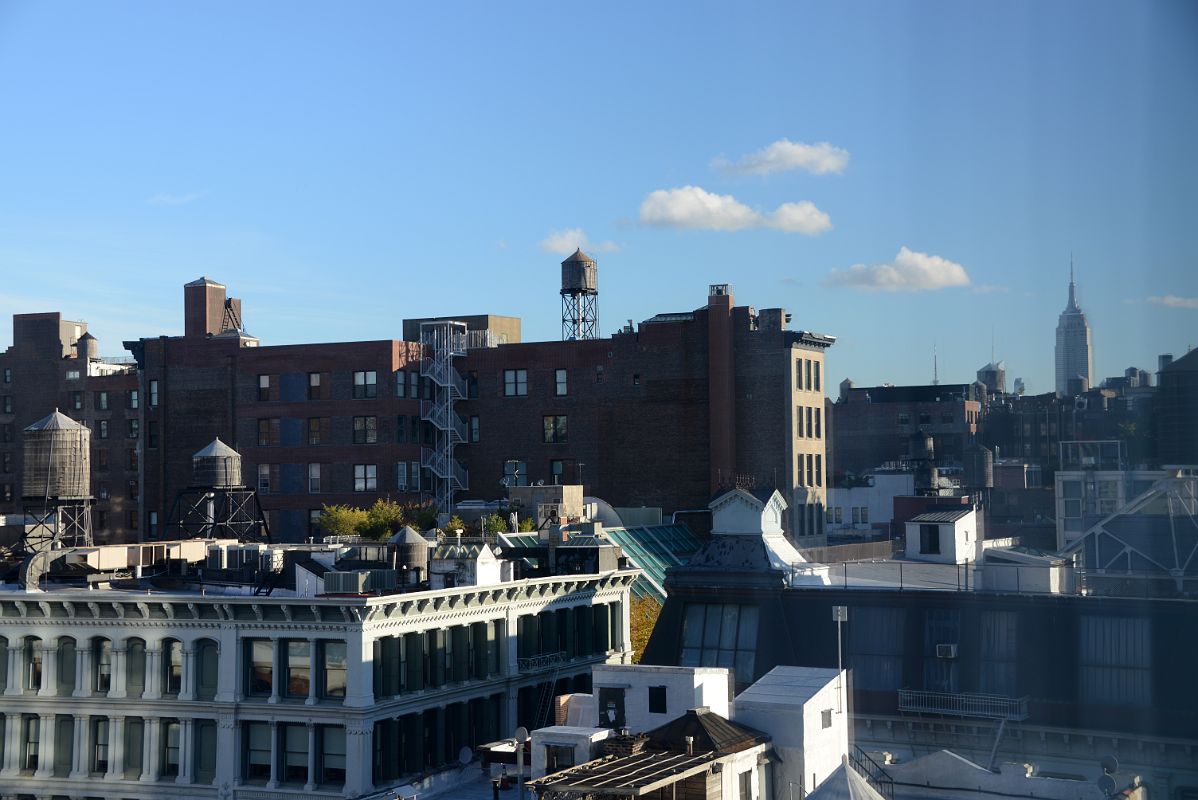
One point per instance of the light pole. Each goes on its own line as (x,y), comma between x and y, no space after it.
(841,615)
(521,737)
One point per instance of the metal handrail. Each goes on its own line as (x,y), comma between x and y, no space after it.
(541,662)
(872,771)
(964,704)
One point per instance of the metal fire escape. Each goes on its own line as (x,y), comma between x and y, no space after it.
(444,340)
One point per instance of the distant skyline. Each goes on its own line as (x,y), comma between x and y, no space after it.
(908,177)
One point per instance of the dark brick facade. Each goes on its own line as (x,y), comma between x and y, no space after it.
(51,364)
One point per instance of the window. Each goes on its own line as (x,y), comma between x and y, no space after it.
(318,430)
(415,437)
(715,635)
(474,428)
(515,382)
(998,652)
(414,385)
(333,669)
(366,430)
(102,665)
(153,394)
(265,388)
(5,492)
(599,374)
(365,478)
(636,379)
(515,473)
(810,470)
(904,418)
(1115,655)
(401,429)
(332,755)
(556,469)
(295,753)
(401,384)
(102,429)
(76,401)
(99,738)
(818,413)
(299,669)
(365,385)
(864,515)
(925,418)
(929,538)
(810,422)
(6,432)
(131,520)
(856,515)
(554,429)
(151,433)
(268,432)
(31,740)
(132,459)
(560,384)
(102,401)
(946,417)
(315,388)
(817,380)
(657,699)
(558,757)
(171,733)
(172,666)
(259,678)
(314,478)
(314,521)
(134,428)
(807,370)
(33,664)
(472,385)
(264,478)
(257,751)
(6,460)
(7,404)
(401,476)
(414,477)
(875,647)
(153,524)
(72,374)
(8,375)
(819,469)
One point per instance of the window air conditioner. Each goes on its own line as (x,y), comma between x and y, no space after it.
(946,651)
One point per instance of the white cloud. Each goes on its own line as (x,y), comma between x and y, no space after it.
(166,199)
(565,242)
(697,208)
(908,272)
(989,288)
(1173,301)
(784,155)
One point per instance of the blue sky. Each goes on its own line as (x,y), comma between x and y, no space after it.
(344,165)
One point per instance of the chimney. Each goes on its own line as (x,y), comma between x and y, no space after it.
(690,745)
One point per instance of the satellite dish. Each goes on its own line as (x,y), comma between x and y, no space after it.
(1107,785)
(521,735)
(1110,765)
(465,756)
(541,483)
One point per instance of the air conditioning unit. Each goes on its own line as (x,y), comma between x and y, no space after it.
(345,582)
(946,651)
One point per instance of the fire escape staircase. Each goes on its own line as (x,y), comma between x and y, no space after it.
(444,340)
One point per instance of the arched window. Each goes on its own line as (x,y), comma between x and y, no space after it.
(135,667)
(32,662)
(206,662)
(101,665)
(66,666)
(172,666)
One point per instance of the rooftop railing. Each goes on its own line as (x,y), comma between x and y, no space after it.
(961,704)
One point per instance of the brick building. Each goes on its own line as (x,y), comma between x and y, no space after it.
(55,363)
(1176,409)
(663,415)
(873,426)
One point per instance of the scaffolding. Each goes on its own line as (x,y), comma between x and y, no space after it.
(443,341)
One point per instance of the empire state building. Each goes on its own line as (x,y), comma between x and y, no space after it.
(1074,357)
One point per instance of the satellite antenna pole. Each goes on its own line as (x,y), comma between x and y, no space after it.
(935,366)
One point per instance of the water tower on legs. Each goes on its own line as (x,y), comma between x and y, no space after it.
(580,297)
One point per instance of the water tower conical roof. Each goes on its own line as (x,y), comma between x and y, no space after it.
(55,421)
(217,449)
(579,256)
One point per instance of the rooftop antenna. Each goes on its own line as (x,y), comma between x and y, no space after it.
(935,366)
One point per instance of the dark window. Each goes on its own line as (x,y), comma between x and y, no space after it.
(554,429)
(401,384)
(7,375)
(611,707)
(332,755)
(7,404)
(6,460)
(132,458)
(715,635)
(318,430)
(314,521)
(265,387)
(636,379)
(929,538)
(134,428)
(5,492)
(295,753)
(472,385)
(102,429)
(825,718)
(925,419)
(558,757)
(299,669)
(257,751)
(260,667)
(315,386)
(151,433)
(76,401)
(515,473)
(401,429)
(268,432)
(657,699)
(366,430)
(556,469)
(365,384)
(132,521)
(474,428)
(102,401)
